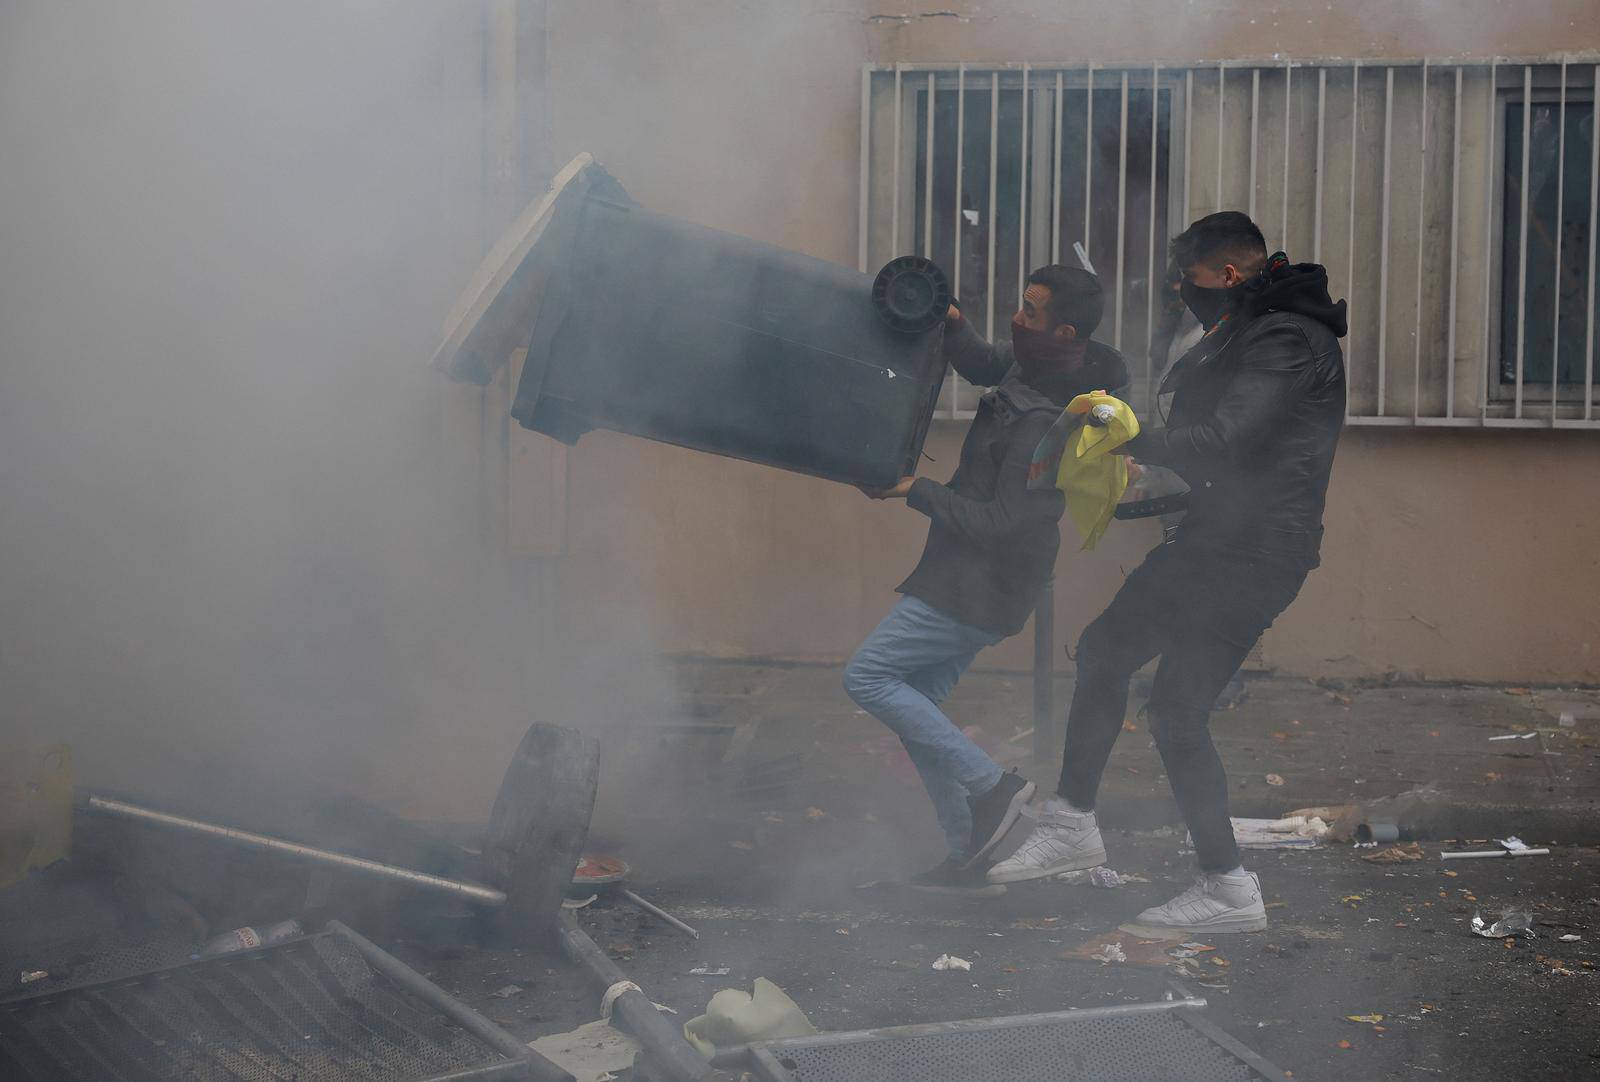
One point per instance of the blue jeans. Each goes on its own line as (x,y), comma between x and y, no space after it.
(900,675)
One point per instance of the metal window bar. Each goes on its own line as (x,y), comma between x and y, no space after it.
(1500,231)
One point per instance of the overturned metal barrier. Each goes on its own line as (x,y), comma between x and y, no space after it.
(320,1008)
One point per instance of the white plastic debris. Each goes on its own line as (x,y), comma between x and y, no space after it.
(1566,720)
(950,961)
(31,975)
(1515,922)
(1111,952)
(1570,938)
(1513,843)
(1515,736)
(507,992)
(704,970)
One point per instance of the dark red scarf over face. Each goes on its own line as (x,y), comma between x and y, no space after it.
(1040,354)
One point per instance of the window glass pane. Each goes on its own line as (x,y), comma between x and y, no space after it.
(1543,341)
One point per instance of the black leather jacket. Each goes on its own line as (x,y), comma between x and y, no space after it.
(1256,412)
(992,543)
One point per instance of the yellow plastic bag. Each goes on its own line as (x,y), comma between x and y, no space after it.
(1091,478)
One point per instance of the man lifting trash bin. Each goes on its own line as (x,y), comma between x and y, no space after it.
(1257,409)
(991,549)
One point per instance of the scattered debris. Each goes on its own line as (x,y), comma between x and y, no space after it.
(31,975)
(1274,779)
(507,992)
(599,869)
(1346,1044)
(1476,854)
(734,1016)
(1515,736)
(1369,1019)
(746,846)
(1112,952)
(704,970)
(1100,877)
(593,1052)
(1570,938)
(815,813)
(1566,720)
(578,903)
(950,961)
(660,914)
(1291,832)
(1398,854)
(1513,923)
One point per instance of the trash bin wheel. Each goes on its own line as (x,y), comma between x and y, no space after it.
(911,294)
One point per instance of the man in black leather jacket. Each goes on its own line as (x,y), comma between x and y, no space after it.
(1257,407)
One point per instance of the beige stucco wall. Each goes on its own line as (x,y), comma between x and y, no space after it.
(1465,555)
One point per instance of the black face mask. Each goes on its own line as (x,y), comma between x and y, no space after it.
(1210,305)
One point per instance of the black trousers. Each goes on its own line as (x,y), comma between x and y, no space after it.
(1200,609)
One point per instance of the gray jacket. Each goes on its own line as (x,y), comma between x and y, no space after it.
(992,544)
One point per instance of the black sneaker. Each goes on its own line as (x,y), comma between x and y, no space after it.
(994,813)
(953,879)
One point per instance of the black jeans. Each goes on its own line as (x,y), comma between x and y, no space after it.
(1200,609)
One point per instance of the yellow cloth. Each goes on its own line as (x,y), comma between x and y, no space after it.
(1092,478)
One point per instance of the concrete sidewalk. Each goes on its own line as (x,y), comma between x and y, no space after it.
(1329,745)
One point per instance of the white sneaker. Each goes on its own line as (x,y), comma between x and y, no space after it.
(1064,841)
(1215,903)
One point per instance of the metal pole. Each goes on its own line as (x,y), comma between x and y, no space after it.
(1022,197)
(961,170)
(927,181)
(1455,255)
(1322,127)
(1188,141)
(659,913)
(1383,240)
(472,892)
(540,1069)
(1422,246)
(864,200)
(1288,90)
(1555,281)
(1044,672)
(1155,279)
(1594,242)
(894,187)
(1088,158)
(1055,174)
(1522,236)
(1122,207)
(1222,102)
(1255,113)
(1488,239)
(1350,282)
(676,1058)
(994,182)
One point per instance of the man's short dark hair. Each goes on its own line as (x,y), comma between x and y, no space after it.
(1227,236)
(1075,296)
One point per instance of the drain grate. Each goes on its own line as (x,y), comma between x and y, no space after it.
(1145,1044)
(306,1010)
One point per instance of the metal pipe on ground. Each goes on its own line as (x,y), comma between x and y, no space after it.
(674,1057)
(539,1068)
(473,892)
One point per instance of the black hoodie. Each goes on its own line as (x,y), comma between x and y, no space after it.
(1256,411)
